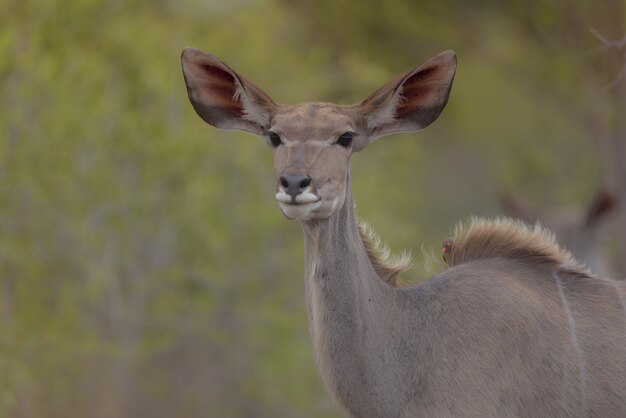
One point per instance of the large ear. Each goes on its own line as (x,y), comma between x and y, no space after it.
(222,97)
(412,101)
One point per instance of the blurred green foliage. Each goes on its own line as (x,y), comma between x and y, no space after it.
(144,268)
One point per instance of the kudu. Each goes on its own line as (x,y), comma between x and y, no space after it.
(515,327)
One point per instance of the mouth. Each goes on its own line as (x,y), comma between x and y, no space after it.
(300,207)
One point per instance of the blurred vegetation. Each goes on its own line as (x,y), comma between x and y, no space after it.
(144,268)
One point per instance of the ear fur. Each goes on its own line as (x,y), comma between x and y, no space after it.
(222,97)
(413,100)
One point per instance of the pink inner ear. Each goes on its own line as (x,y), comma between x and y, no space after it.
(420,90)
(424,75)
(218,88)
(415,97)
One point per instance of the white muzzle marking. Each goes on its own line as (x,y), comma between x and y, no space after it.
(305,197)
(283,197)
(306,202)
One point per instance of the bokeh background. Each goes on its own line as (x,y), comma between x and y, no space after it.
(145,270)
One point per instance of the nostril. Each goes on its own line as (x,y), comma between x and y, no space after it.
(293,185)
(305,182)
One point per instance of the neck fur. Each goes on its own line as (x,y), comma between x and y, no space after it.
(343,295)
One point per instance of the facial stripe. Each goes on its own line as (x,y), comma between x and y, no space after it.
(310,142)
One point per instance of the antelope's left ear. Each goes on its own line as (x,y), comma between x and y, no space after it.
(222,97)
(413,100)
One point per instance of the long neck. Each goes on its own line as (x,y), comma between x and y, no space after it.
(349,307)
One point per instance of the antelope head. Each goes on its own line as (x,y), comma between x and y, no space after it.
(312,142)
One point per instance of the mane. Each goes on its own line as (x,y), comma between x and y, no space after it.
(482,239)
(387,266)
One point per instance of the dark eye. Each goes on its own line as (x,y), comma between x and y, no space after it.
(345,140)
(275,139)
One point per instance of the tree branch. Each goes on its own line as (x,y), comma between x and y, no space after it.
(618,45)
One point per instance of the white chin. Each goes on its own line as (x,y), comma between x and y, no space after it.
(302,211)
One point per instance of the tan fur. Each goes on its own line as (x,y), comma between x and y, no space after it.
(510,239)
(387,266)
(250,111)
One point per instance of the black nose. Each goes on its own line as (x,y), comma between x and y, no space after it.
(294,184)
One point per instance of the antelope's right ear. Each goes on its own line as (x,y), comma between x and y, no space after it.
(222,97)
